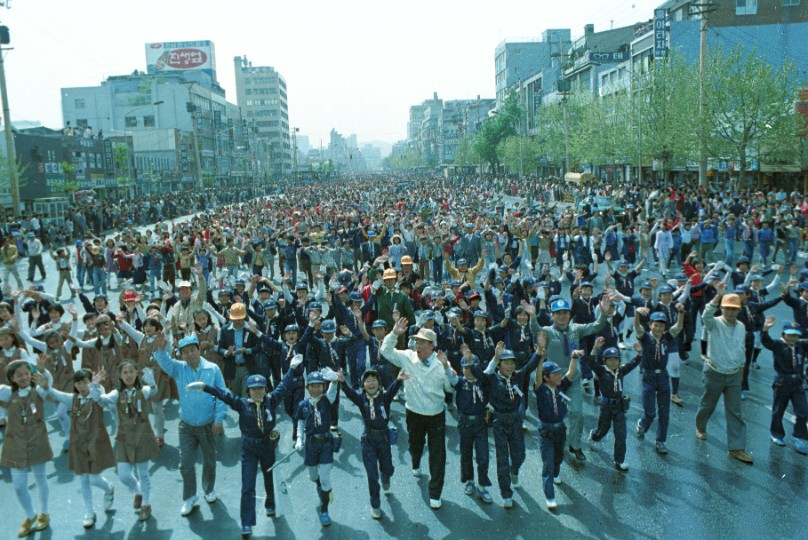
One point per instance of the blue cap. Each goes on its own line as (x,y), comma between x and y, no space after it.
(315,377)
(30,235)
(742,260)
(792,328)
(742,288)
(79,243)
(264,288)
(498,280)
(804,286)
(188,340)
(291,328)
(240,281)
(225,292)
(455,283)
(506,354)
(586,284)
(681,276)
(645,285)
(379,323)
(301,286)
(468,362)
(461,262)
(666,289)
(755,277)
(528,282)
(504,269)
(371,372)
(622,263)
(559,305)
(355,297)
(611,352)
(456,311)
(256,381)
(270,304)
(428,315)
(328,327)
(315,305)
(550,367)
(658,316)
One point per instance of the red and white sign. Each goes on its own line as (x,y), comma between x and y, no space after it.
(179,56)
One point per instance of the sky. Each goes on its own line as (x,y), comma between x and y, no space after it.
(355,66)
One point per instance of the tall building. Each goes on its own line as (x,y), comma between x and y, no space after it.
(261,94)
(517,61)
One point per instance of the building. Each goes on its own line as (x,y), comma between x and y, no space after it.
(516,62)
(261,95)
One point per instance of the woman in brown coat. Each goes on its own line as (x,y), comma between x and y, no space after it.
(26,447)
(135,443)
(11,349)
(90,448)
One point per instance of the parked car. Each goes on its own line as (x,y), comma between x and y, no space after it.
(601,202)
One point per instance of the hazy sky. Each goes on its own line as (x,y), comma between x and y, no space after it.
(354,65)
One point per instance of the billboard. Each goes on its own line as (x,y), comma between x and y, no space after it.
(180,56)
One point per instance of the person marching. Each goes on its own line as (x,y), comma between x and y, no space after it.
(258,436)
(653,366)
(135,443)
(613,405)
(374,404)
(504,384)
(90,448)
(11,349)
(160,388)
(789,367)
(472,401)
(314,436)
(551,403)
(26,447)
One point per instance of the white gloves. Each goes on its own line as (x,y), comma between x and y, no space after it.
(196,385)
(375,286)
(329,374)
(296,361)
(148,377)
(541,294)
(299,444)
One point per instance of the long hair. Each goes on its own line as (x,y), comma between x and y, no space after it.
(120,385)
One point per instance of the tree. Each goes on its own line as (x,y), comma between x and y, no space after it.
(465,155)
(404,161)
(68,183)
(496,129)
(749,108)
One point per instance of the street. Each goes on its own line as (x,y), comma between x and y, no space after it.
(696,491)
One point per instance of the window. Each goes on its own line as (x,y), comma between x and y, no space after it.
(787,3)
(80,103)
(81,122)
(745,7)
(130,121)
(148,121)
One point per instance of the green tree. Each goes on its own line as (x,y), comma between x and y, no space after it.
(497,129)
(465,154)
(68,184)
(404,161)
(749,108)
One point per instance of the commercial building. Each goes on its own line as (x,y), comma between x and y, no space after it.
(261,95)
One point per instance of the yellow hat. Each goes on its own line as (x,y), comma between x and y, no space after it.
(731,301)
(238,312)
(406,259)
(390,273)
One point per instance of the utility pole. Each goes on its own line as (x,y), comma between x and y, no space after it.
(13,181)
(564,91)
(702,9)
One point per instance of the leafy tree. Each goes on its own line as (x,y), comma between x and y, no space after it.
(497,129)
(749,108)
(406,160)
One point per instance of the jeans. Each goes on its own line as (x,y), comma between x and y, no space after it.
(473,440)
(357,359)
(656,393)
(192,439)
(99,281)
(377,456)
(729,251)
(509,442)
(422,428)
(81,272)
(551,445)
(793,249)
(765,249)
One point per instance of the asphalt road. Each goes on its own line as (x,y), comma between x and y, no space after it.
(696,491)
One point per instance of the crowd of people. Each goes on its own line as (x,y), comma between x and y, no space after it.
(458,296)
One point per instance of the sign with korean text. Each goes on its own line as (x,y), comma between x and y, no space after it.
(660,34)
(180,56)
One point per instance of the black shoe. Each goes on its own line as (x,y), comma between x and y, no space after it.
(578,453)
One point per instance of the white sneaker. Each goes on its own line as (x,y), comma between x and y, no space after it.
(211,497)
(621,466)
(416,472)
(376,513)
(109,498)
(89,520)
(557,480)
(551,504)
(434,503)
(507,503)
(189,506)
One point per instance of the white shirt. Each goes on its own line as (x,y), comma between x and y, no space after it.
(425,390)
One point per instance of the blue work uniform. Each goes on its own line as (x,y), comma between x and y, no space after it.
(656,388)
(789,369)
(552,408)
(471,399)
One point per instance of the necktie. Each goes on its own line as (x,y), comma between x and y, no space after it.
(793,358)
(659,354)
(372,407)
(554,397)
(510,388)
(567,352)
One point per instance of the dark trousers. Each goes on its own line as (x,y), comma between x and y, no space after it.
(656,393)
(789,390)
(377,457)
(192,439)
(253,455)
(290,401)
(613,415)
(357,362)
(473,443)
(432,430)
(509,442)
(34,262)
(551,446)
(750,353)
